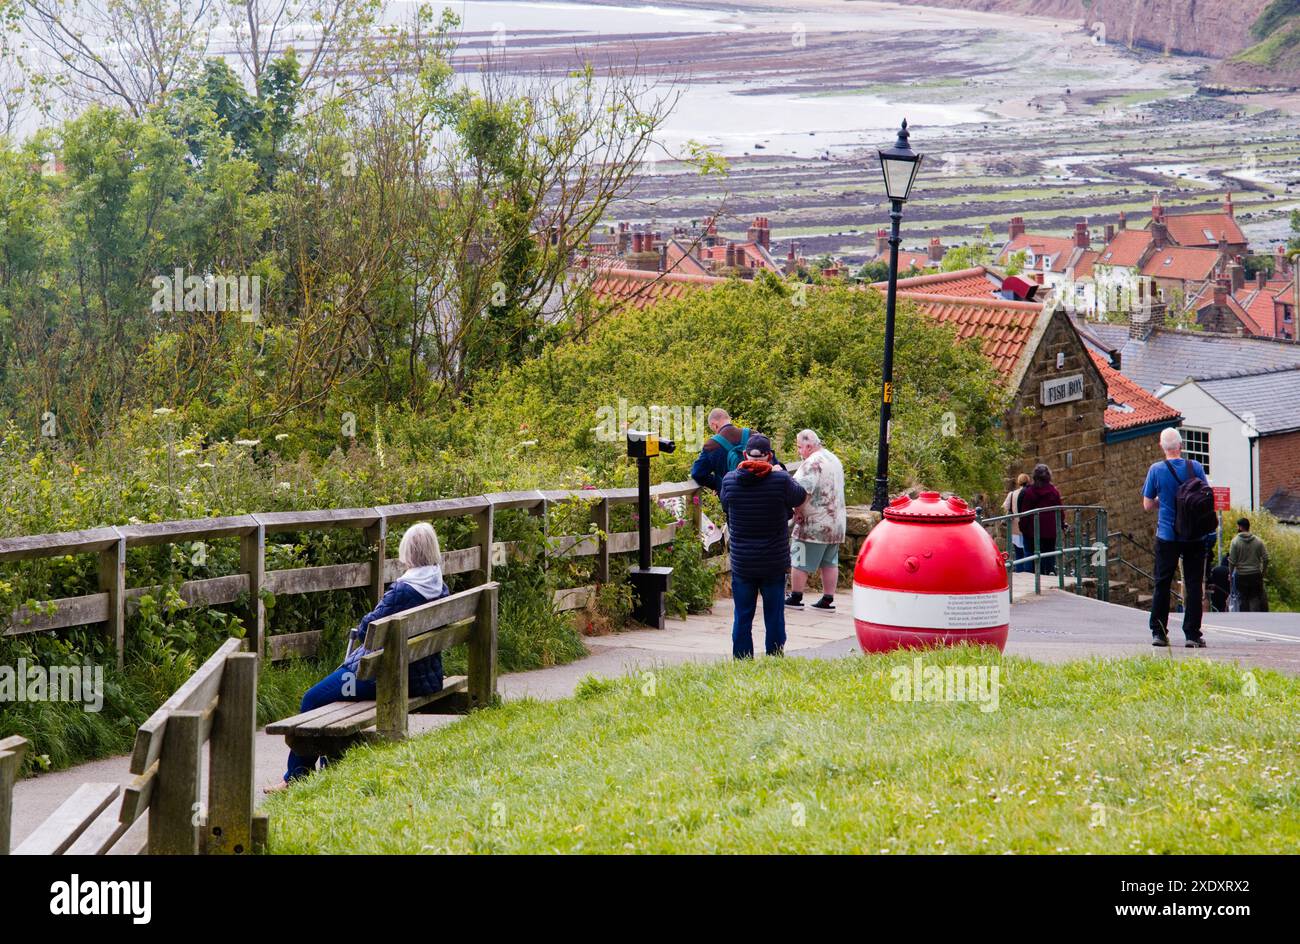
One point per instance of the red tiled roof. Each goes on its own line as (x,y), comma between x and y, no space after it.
(1054,246)
(682,262)
(908,259)
(641,289)
(753,254)
(1189,229)
(1257,326)
(1176,262)
(1247,319)
(1004,327)
(1142,407)
(1258,303)
(1126,248)
(1083,265)
(977,282)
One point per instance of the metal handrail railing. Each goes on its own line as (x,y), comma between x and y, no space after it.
(1119,558)
(1091,549)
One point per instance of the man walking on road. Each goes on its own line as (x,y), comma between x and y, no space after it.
(1161,493)
(1248,558)
(759,498)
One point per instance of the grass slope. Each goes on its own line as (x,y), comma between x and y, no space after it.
(794,755)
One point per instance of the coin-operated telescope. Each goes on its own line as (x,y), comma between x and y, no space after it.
(650,584)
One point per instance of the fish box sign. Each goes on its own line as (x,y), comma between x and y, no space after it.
(1062,390)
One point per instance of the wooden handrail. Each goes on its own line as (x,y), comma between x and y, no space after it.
(114,598)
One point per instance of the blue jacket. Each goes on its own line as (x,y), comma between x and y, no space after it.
(711,464)
(424,677)
(758,511)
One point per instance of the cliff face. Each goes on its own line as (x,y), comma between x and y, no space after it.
(1205,27)
(1216,28)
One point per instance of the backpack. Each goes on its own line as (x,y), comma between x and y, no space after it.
(1194,515)
(735,452)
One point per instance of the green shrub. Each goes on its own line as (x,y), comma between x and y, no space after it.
(693,581)
(780,360)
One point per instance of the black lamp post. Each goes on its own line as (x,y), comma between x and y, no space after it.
(899,164)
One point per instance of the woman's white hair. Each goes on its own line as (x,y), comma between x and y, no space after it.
(419,547)
(809,437)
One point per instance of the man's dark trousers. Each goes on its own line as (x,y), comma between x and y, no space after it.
(745,594)
(1251,593)
(1168,554)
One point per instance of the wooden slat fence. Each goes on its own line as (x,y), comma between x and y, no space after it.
(114,599)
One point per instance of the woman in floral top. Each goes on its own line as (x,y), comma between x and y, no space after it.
(818,523)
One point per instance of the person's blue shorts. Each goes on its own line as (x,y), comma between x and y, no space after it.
(810,557)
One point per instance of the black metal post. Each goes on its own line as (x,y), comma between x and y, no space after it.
(643,510)
(881,498)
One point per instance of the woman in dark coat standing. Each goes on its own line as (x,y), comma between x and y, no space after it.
(1040,493)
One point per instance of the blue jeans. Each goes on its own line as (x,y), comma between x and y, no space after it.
(745,595)
(341,685)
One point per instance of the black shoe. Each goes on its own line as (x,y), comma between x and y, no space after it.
(825,603)
(1197,643)
(1159,639)
(794,600)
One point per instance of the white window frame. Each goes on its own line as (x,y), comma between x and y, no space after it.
(1194,449)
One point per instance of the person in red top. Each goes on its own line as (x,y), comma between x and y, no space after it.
(1040,493)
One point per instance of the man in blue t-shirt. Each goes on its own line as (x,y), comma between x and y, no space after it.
(1160,492)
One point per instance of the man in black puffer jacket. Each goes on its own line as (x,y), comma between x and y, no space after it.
(759,499)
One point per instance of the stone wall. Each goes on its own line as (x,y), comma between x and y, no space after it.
(1067,437)
(1127,462)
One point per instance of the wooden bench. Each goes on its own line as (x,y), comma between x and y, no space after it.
(160,810)
(392,644)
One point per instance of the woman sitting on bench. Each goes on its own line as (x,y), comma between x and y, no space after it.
(420,583)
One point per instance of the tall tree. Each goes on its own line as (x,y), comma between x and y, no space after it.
(131,53)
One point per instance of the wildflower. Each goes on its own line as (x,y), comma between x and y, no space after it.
(163,411)
(248,442)
(281,437)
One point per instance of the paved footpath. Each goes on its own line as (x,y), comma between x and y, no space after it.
(1053,627)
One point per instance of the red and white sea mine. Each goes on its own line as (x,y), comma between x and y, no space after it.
(929,575)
